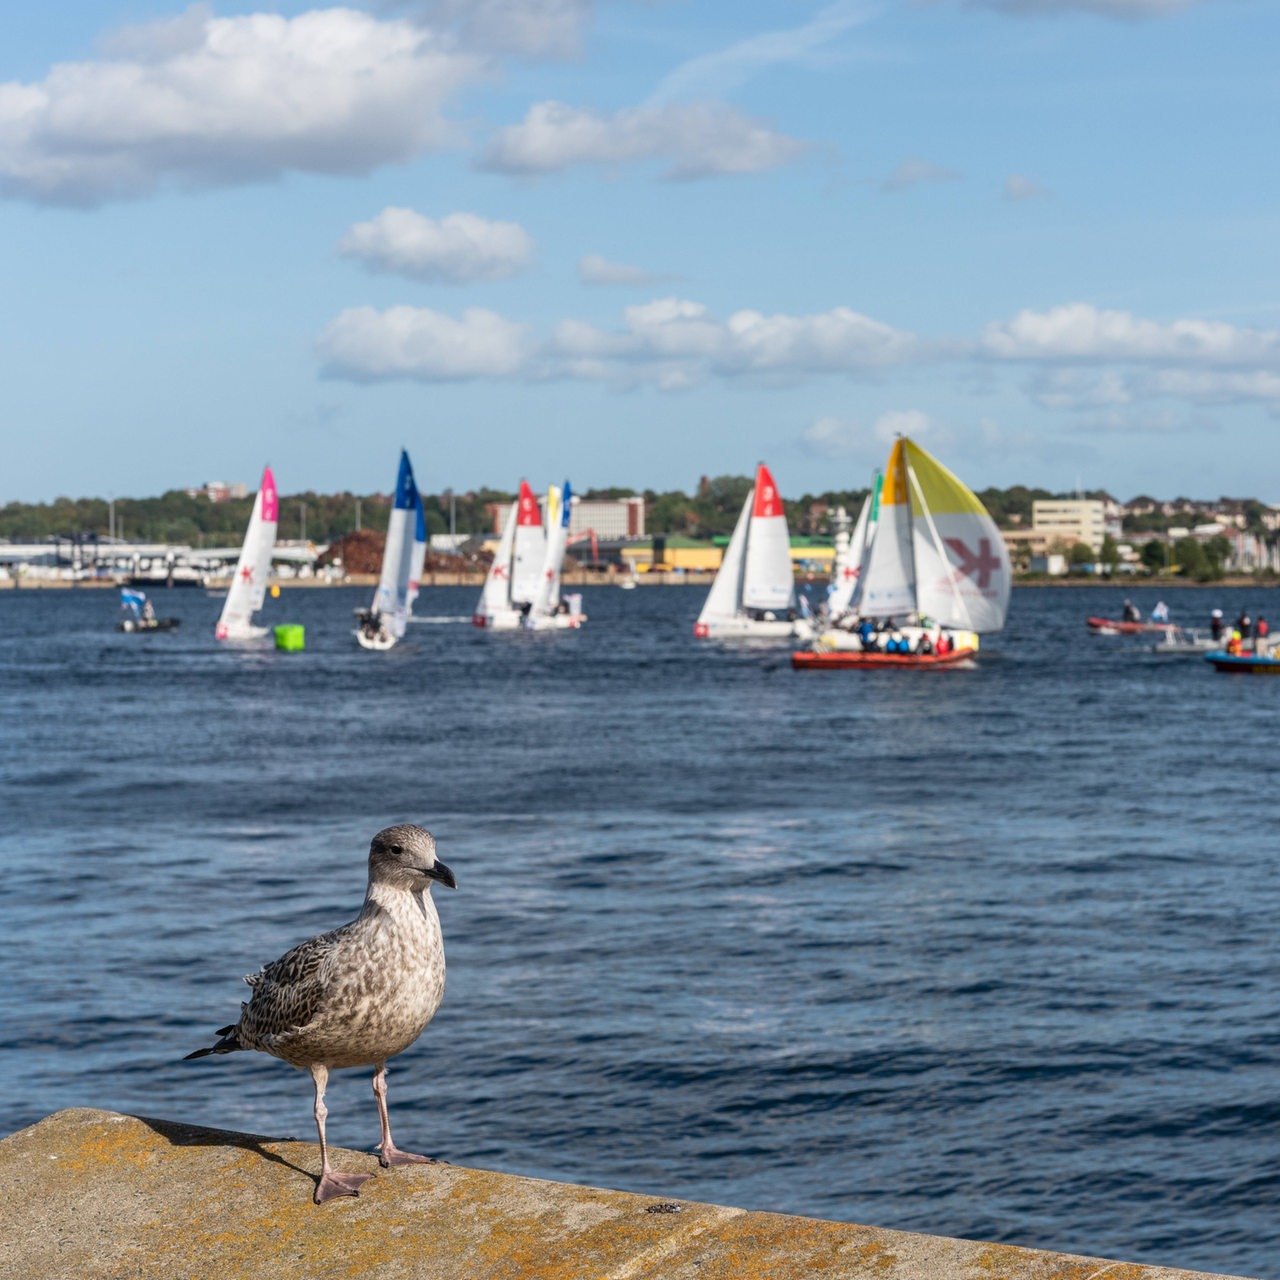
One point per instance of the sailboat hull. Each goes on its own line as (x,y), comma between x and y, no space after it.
(744,628)
(555,622)
(505,620)
(372,631)
(240,635)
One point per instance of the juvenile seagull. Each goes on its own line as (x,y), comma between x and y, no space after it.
(359,995)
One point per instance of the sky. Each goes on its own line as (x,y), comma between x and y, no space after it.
(634,242)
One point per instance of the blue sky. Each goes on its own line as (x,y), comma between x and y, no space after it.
(636,242)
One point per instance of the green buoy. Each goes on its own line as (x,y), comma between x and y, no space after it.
(291,637)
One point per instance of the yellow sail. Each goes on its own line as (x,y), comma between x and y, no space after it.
(942,491)
(962,570)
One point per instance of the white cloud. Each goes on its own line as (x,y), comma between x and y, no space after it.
(530,28)
(1080,389)
(912,172)
(454,249)
(1082,332)
(1212,387)
(832,437)
(366,345)
(200,100)
(595,270)
(670,343)
(698,140)
(1017,186)
(674,342)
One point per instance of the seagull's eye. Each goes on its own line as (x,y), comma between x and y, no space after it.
(395,848)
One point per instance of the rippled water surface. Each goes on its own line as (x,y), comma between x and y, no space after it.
(987,953)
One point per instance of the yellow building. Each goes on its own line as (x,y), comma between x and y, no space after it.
(1071,520)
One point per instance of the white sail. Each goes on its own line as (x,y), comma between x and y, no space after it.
(724,600)
(847,570)
(530,548)
(559,510)
(768,582)
(963,574)
(391,597)
(889,582)
(249,585)
(495,596)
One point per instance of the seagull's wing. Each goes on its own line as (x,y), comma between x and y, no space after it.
(289,992)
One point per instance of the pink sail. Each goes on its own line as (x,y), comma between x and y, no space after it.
(249,583)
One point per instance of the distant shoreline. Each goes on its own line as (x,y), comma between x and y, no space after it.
(612,580)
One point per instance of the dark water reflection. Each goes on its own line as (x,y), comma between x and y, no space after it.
(986,953)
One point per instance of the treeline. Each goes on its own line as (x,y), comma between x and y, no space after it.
(177,517)
(710,511)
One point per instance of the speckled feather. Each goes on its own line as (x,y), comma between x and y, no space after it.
(362,993)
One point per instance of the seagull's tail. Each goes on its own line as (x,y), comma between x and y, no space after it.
(228,1044)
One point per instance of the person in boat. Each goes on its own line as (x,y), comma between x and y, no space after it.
(926,644)
(1131,612)
(1215,624)
(371,624)
(1161,612)
(1260,634)
(944,646)
(1244,624)
(867,634)
(1235,644)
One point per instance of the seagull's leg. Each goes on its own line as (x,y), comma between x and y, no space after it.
(331,1184)
(388,1153)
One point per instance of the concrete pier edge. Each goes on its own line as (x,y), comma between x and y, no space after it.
(97,1194)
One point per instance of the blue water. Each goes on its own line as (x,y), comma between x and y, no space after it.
(987,953)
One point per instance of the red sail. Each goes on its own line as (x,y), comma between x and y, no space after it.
(767,503)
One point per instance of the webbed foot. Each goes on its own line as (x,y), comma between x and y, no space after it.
(390,1156)
(332,1185)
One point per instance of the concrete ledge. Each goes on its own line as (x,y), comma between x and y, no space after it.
(96,1194)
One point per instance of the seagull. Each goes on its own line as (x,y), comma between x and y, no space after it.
(359,995)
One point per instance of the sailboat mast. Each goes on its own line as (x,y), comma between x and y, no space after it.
(746,545)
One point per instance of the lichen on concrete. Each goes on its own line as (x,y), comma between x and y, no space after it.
(99,1196)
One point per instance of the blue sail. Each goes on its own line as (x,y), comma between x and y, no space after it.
(407,495)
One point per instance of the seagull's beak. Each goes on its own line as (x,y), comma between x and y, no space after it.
(442,873)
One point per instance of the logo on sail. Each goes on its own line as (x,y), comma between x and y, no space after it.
(980,565)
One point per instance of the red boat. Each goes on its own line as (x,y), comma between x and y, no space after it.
(809,660)
(1115,627)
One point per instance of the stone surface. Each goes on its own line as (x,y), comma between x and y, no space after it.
(94,1194)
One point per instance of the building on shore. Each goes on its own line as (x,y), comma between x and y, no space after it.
(607,518)
(1070,520)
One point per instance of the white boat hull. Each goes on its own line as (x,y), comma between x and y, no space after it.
(555,622)
(240,635)
(744,628)
(380,640)
(506,620)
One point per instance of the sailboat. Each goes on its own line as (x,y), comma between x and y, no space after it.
(384,621)
(249,585)
(138,614)
(935,575)
(846,573)
(517,569)
(549,611)
(754,594)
